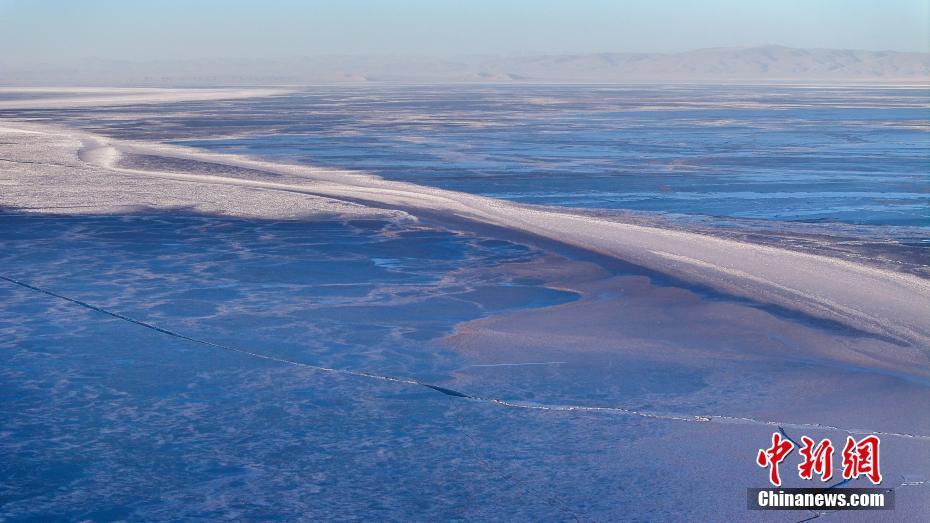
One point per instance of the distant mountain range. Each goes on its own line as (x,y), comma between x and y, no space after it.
(770,63)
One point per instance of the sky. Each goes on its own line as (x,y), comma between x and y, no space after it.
(53,31)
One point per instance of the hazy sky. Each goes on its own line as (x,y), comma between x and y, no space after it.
(46,30)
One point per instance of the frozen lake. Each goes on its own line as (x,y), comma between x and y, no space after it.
(241,347)
(853,155)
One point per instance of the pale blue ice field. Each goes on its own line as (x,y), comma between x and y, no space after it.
(105,419)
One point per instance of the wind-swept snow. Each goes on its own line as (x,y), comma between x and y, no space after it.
(67,97)
(882,302)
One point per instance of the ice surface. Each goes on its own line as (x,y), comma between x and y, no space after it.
(578,366)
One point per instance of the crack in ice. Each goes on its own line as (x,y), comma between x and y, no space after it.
(515,404)
(519,364)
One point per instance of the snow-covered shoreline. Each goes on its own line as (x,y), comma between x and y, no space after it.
(64,97)
(874,300)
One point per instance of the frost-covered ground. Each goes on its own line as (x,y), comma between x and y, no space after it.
(193,334)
